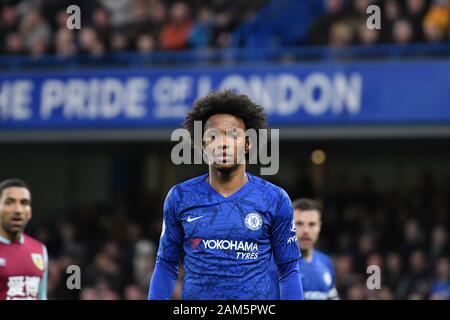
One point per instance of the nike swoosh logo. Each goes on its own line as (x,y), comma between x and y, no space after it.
(189,219)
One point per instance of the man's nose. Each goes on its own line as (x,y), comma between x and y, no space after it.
(18,209)
(224,142)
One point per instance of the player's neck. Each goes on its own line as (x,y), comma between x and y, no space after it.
(226,183)
(307,254)
(13,237)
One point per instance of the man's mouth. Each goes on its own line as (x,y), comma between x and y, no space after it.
(224,158)
(17,221)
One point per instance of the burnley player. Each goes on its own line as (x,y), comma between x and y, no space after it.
(226,224)
(316,268)
(23,260)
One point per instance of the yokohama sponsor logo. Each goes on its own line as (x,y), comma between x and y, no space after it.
(230,245)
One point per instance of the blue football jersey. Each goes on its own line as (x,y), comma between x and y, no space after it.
(226,243)
(441,288)
(318,277)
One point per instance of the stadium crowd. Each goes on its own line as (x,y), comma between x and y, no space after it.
(406,235)
(37,27)
(402,22)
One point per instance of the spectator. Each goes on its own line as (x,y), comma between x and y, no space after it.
(391,13)
(415,285)
(175,33)
(341,35)
(357,291)
(142,19)
(14,44)
(39,48)
(202,31)
(345,276)
(366,36)
(89,293)
(145,43)
(436,22)
(439,242)
(334,12)
(89,42)
(223,28)
(393,270)
(441,286)
(105,270)
(54,10)
(402,32)
(119,42)
(65,46)
(120,11)
(384,294)
(360,7)
(366,247)
(158,16)
(105,292)
(35,32)
(133,292)
(9,24)
(143,263)
(415,11)
(101,24)
(9,19)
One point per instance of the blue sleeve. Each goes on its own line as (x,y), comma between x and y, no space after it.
(283,236)
(172,235)
(42,294)
(163,280)
(274,280)
(332,293)
(170,251)
(291,287)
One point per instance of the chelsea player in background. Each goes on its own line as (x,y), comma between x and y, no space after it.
(316,268)
(226,224)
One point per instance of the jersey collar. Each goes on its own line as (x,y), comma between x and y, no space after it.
(7,241)
(231,196)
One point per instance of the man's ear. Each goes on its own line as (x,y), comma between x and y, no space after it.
(248,145)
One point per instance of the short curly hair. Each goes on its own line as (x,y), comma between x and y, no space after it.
(226,102)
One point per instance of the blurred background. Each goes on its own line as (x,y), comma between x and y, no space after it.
(364,116)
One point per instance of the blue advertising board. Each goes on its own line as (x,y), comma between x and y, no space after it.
(336,93)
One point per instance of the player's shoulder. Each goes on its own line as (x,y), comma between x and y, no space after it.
(32,242)
(179,189)
(267,186)
(323,257)
(193,182)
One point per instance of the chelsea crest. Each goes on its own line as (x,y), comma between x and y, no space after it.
(253,221)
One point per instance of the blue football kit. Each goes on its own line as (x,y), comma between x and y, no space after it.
(318,277)
(226,243)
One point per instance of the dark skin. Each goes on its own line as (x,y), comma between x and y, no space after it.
(15,212)
(227,165)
